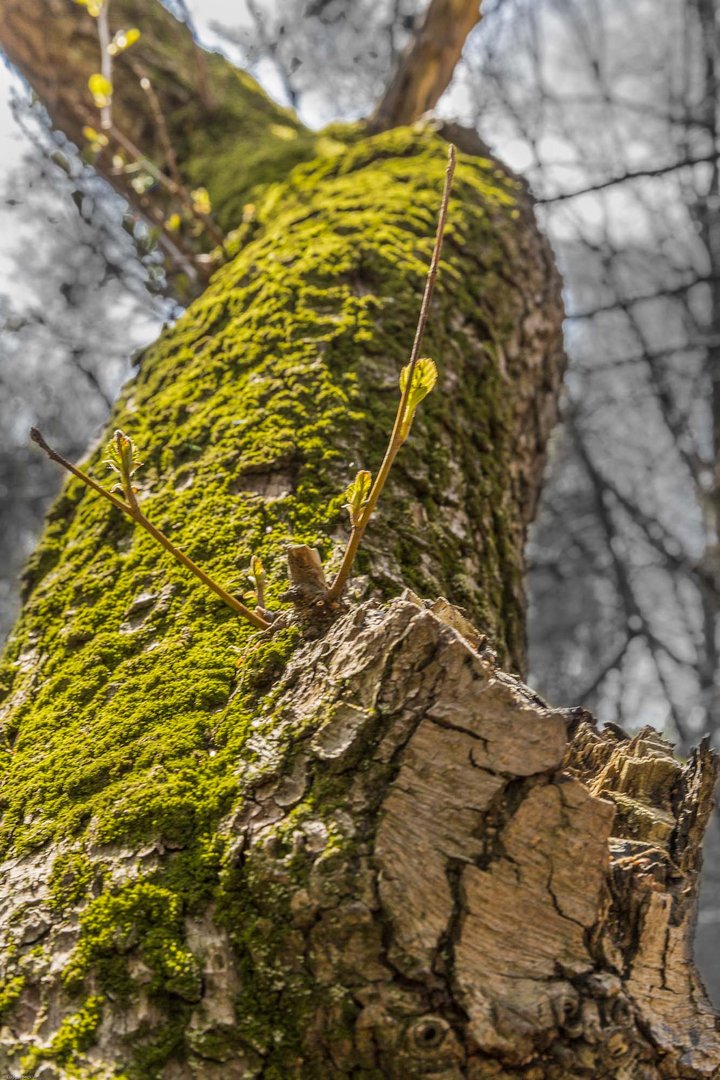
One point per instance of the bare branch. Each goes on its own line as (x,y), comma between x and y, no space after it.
(602,185)
(610,665)
(623,304)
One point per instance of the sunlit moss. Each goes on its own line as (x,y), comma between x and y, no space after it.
(129,691)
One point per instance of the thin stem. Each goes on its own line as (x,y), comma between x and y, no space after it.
(159,117)
(396,439)
(105,61)
(167,182)
(37,437)
(132,510)
(181,557)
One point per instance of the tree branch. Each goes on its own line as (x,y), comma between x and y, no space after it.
(624,303)
(633,175)
(427,66)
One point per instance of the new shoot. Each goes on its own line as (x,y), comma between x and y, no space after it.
(417,379)
(123,458)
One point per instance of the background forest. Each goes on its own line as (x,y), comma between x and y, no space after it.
(610,111)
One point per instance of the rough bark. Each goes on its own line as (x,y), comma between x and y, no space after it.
(373,853)
(431,873)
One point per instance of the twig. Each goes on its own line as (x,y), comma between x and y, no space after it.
(105,61)
(169,184)
(133,511)
(661,170)
(398,435)
(159,117)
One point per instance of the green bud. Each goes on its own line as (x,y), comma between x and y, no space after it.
(357,495)
(122,456)
(257,570)
(101,90)
(424,378)
(256,574)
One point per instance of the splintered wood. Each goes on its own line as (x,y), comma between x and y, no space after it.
(434,874)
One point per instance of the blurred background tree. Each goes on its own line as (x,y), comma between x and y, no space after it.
(610,111)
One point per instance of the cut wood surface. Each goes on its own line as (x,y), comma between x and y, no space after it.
(444,877)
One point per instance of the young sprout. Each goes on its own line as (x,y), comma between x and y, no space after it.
(357,496)
(257,576)
(309,591)
(417,379)
(122,456)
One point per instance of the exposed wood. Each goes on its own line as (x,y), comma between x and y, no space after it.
(414,867)
(427,66)
(466,908)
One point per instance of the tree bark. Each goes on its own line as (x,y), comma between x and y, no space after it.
(365,852)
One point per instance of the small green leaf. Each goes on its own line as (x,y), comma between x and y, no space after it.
(122,456)
(96,140)
(201,201)
(357,495)
(423,381)
(143,182)
(101,89)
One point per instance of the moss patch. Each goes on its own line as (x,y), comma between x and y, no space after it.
(10,992)
(133,700)
(71,877)
(252,413)
(145,917)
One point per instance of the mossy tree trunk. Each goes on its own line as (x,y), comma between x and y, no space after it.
(368,853)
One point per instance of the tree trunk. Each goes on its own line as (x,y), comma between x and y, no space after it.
(365,852)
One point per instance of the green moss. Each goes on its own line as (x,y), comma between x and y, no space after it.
(75,1035)
(72,874)
(155,1045)
(136,702)
(10,992)
(142,917)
